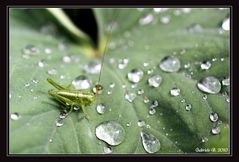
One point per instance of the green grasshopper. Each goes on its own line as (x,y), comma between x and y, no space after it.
(71,98)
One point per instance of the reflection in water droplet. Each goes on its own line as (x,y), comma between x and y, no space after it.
(209,85)
(135,75)
(175,91)
(146,64)
(215,130)
(155,81)
(81,82)
(150,142)
(15,116)
(111,132)
(154,104)
(50,140)
(130,96)
(213,117)
(150,71)
(170,64)
(101,108)
(27,85)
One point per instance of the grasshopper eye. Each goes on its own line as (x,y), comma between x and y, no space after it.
(98,89)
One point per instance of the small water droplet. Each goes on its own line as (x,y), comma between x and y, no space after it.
(130,96)
(170,64)
(135,75)
(50,140)
(67,59)
(214,59)
(188,107)
(123,86)
(30,50)
(146,64)
(150,142)
(59,122)
(42,63)
(81,82)
(128,124)
(123,63)
(62,77)
(206,65)
(111,132)
(112,85)
(101,109)
(155,81)
(186,66)
(226,24)
(47,51)
(183,100)
(165,19)
(175,91)
(204,96)
(15,116)
(52,72)
(63,115)
(133,86)
(146,100)
(140,92)
(93,67)
(109,92)
(210,85)
(155,103)
(213,117)
(146,19)
(226,82)
(204,139)
(141,123)
(152,111)
(194,28)
(215,130)
(35,97)
(76,108)
(108,150)
(27,84)
(150,71)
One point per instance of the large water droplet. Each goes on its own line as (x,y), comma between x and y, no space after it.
(155,81)
(15,116)
(81,82)
(226,24)
(150,142)
(213,117)
(170,64)
(215,130)
(123,63)
(101,108)
(111,132)
(226,82)
(209,85)
(206,65)
(147,19)
(130,96)
(175,91)
(92,67)
(135,75)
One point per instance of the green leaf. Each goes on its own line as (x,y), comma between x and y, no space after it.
(178,130)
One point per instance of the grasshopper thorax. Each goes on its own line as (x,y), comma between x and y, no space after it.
(98,89)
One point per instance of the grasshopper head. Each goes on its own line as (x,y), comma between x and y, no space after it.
(98,89)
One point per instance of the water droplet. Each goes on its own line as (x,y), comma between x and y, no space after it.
(188,107)
(170,64)
(47,51)
(15,116)
(165,19)
(133,86)
(41,63)
(123,63)
(141,123)
(67,59)
(194,28)
(35,97)
(147,19)
(59,122)
(108,150)
(76,108)
(140,92)
(93,67)
(155,103)
(130,96)
(146,64)
(226,24)
(186,66)
(150,71)
(27,84)
(50,140)
(183,100)
(30,50)
(204,139)
(81,82)
(35,81)
(52,72)
(123,86)
(112,85)
(175,91)
(150,142)
(209,85)
(62,77)
(63,115)
(148,126)
(111,132)
(101,109)
(155,81)
(205,65)
(146,100)
(213,117)
(215,130)
(128,124)
(214,59)
(152,111)
(226,82)
(112,26)
(135,75)
(204,96)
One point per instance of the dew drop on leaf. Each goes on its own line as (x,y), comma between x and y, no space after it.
(141,123)
(155,81)
(210,85)
(152,111)
(170,64)
(204,96)
(226,82)
(146,100)
(52,72)
(213,117)
(111,132)
(130,96)
(140,92)
(30,50)
(146,19)
(15,116)
(47,51)
(112,85)
(226,24)
(215,130)
(81,82)
(122,63)
(175,92)
(165,19)
(41,63)
(135,75)
(66,59)
(100,109)
(93,67)
(188,107)
(150,143)
(205,65)
(107,150)
(59,122)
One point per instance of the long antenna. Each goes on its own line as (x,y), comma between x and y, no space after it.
(106,45)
